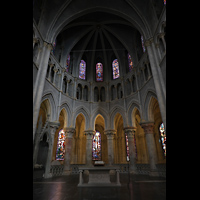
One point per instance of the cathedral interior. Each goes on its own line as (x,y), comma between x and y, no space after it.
(99,96)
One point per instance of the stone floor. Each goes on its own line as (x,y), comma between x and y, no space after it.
(134,187)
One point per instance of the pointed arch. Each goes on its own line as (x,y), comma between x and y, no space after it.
(147,99)
(85,114)
(131,109)
(112,117)
(67,109)
(52,107)
(104,114)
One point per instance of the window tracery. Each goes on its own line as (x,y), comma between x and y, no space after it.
(99,72)
(115,67)
(60,152)
(96,146)
(82,69)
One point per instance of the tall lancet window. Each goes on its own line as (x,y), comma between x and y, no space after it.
(99,72)
(54,46)
(142,41)
(130,62)
(96,146)
(82,69)
(163,138)
(68,62)
(115,67)
(60,152)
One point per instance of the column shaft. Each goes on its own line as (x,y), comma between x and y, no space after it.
(110,136)
(89,136)
(68,149)
(151,146)
(53,127)
(129,131)
(39,84)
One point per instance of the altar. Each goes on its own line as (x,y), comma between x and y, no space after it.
(99,176)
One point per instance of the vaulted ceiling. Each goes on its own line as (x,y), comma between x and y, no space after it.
(97,31)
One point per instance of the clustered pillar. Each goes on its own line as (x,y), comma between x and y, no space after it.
(110,136)
(130,132)
(69,132)
(89,136)
(151,146)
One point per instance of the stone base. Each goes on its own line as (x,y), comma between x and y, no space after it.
(134,172)
(99,185)
(49,175)
(67,172)
(154,173)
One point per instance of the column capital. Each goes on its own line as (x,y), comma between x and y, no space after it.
(89,134)
(53,127)
(110,133)
(130,130)
(148,127)
(35,40)
(148,42)
(69,132)
(54,124)
(55,70)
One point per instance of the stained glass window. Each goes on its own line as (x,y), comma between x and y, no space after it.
(99,72)
(164,2)
(96,146)
(60,152)
(130,62)
(68,62)
(82,69)
(115,67)
(163,138)
(142,40)
(127,149)
(54,46)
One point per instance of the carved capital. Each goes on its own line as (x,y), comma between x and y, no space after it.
(148,42)
(110,133)
(129,131)
(69,132)
(89,134)
(148,127)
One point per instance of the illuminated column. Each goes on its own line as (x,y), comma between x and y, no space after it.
(53,126)
(151,145)
(110,136)
(157,78)
(89,136)
(130,132)
(39,83)
(69,132)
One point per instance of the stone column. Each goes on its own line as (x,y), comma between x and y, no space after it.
(110,136)
(50,68)
(157,78)
(39,84)
(53,126)
(130,132)
(89,136)
(54,77)
(151,146)
(67,92)
(69,132)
